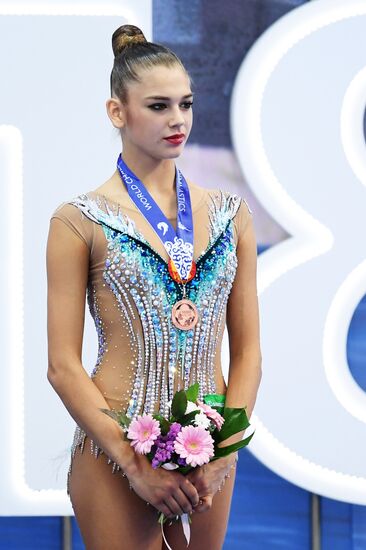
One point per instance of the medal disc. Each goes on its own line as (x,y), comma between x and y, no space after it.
(175,275)
(184,314)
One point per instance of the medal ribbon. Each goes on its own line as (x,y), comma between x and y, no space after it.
(179,243)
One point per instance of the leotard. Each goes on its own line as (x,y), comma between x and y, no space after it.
(142,357)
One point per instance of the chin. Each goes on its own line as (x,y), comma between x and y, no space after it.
(167,155)
(174,155)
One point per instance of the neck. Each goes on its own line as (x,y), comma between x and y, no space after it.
(157,175)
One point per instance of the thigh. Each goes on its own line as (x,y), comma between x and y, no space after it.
(110,514)
(208,529)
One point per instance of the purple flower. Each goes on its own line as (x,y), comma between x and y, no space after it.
(174,430)
(164,445)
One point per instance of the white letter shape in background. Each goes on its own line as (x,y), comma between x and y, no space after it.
(297,126)
(55,64)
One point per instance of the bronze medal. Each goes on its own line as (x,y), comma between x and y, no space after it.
(184,314)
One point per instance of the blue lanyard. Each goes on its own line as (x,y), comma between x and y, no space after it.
(178,244)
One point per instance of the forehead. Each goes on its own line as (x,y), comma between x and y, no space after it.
(162,81)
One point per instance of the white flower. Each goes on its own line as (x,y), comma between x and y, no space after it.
(201,420)
(169,466)
(191,407)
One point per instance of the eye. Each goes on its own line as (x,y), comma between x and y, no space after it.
(187,104)
(161,106)
(157,106)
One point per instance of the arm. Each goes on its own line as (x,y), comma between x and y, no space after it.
(67,275)
(245,359)
(243,329)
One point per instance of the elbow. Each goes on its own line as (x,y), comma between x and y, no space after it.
(53,375)
(57,373)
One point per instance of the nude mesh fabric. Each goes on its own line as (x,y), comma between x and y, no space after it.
(122,337)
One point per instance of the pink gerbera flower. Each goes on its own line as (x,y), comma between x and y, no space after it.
(212,414)
(143,431)
(195,444)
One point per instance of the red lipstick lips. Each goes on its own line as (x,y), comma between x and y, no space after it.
(175,139)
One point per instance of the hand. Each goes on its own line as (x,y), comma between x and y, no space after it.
(208,478)
(169,491)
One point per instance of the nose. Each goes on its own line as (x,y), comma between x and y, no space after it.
(177,118)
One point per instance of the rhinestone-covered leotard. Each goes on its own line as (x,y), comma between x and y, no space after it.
(142,357)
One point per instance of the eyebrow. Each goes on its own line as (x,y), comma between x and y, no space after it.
(167,98)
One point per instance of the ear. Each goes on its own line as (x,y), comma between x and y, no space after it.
(115,112)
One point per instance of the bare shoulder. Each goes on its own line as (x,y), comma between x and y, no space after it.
(112,188)
(194,185)
(201,191)
(220,195)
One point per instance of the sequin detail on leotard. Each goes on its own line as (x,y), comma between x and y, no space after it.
(164,358)
(100,328)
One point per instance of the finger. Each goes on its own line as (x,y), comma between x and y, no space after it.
(166,511)
(199,482)
(173,505)
(190,491)
(183,501)
(204,504)
(195,474)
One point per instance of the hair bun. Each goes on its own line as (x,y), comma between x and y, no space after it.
(125,36)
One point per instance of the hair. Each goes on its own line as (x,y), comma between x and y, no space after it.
(132,53)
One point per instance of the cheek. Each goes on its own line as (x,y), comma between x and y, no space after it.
(143,126)
(189,119)
(138,120)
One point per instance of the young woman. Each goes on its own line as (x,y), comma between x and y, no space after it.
(159,328)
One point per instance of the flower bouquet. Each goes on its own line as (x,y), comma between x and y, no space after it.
(190,437)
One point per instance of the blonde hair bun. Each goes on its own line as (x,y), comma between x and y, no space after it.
(126,36)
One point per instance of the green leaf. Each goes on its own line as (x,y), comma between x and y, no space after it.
(192,392)
(224,451)
(110,413)
(236,420)
(119,417)
(187,418)
(216,435)
(184,469)
(179,404)
(150,455)
(164,424)
(162,519)
(124,420)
